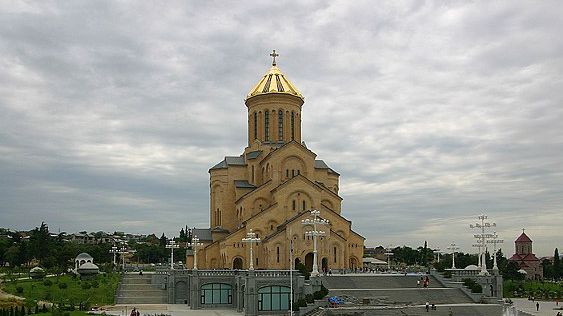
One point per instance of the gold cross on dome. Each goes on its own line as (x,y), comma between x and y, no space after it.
(274,55)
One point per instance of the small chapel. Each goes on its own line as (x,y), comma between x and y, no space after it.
(526,259)
(270,188)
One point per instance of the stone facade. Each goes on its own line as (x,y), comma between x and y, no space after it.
(271,187)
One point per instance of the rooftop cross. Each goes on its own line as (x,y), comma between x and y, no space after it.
(274,55)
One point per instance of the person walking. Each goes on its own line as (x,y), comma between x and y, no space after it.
(537,306)
(427,307)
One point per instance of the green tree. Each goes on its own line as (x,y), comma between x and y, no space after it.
(557,269)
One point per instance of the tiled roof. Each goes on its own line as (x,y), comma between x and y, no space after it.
(243,184)
(204,234)
(523,238)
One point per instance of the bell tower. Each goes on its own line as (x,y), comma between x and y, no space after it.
(274,109)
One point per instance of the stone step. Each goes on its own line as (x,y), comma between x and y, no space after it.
(141,292)
(140,287)
(136,281)
(142,300)
(406,296)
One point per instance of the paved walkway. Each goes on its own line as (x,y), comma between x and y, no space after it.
(546,307)
(167,309)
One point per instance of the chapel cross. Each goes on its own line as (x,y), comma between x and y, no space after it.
(274,55)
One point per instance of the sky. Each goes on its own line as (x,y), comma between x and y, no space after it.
(433,112)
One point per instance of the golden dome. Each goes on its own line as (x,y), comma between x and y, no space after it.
(274,81)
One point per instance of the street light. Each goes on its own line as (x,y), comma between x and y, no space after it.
(122,252)
(114,251)
(494,240)
(389,253)
(251,238)
(453,247)
(482,236)
(478,245)
(314,221)
(172,245)
(195,243)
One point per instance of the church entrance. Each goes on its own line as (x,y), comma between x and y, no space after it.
(237,264)
(309,261)
(353,263)
(324,265)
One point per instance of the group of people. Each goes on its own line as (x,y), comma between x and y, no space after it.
(135,312)
(425,281)
(430,307)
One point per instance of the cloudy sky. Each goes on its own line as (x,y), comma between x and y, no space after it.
(111,112)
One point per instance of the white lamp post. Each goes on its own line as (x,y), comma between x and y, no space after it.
(482,226)
(114,251)
(251,239)
(122,252)
(495,241)
(389,253)
(172,245)
(453,247)
(195,243)
(314,221)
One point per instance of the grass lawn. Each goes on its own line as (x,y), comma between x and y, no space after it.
(67,289)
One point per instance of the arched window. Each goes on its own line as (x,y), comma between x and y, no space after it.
(216,293)
(273,298)
(303,204)
(292,125)
(266,125)
(293,204)
(278,254)
(255,125)
(334,254)
(280,125)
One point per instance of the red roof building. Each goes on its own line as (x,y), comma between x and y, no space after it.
(526,259)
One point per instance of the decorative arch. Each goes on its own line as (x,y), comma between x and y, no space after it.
(292,166)
(299,201)
(259,204)
(238,263)
(328,204)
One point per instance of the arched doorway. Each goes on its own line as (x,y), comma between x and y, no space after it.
(309,261)
(297,262)
(353,263)
(237,263)
(324,265)
(181,292)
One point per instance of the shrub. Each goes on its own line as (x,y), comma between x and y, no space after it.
(47,282)
(63,285)
(95,284)
(295,307)
(474,286)
(19,289)
(309,298)
(85,285)
(301,302)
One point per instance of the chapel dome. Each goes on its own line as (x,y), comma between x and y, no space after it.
(83,256)
(471,267)
(274,81)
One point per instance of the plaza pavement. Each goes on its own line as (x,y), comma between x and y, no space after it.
(167,309)
(546,307)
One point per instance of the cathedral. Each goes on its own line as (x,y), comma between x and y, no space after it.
(270,188)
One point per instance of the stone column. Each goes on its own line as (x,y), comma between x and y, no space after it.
(251,295)
(194,290)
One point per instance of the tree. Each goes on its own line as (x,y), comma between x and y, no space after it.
(557,269)
(163,240)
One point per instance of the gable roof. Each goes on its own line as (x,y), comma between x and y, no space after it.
(320,164)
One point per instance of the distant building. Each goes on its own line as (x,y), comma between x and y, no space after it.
(526,259)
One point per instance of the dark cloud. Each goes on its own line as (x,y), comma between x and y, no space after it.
(112,112)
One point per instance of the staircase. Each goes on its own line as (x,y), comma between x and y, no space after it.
(392,290)
(138,289)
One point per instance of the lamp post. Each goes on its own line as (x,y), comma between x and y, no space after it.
(195,243)
(122,252)
(114,251)
(314,221)
(453,247)
(172,245)
(251,238)
(494,240)
(389,253)
(438,252)
(482,236)
(478,245)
